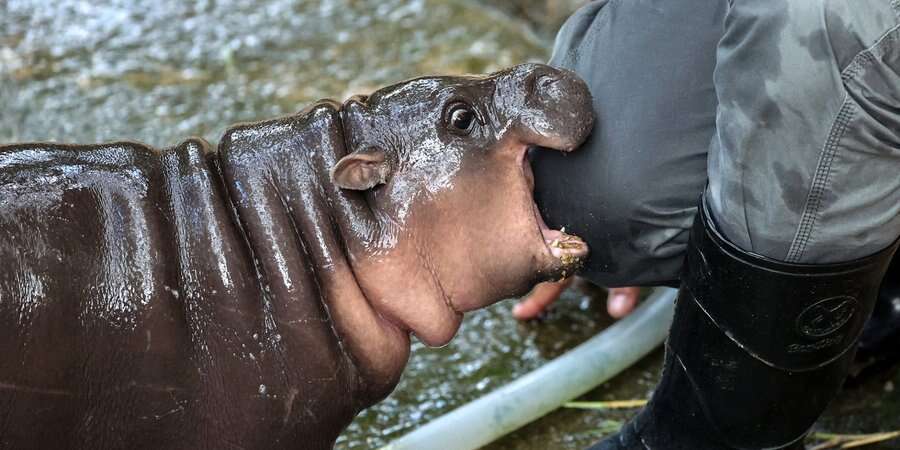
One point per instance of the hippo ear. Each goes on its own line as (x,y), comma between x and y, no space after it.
(361,170)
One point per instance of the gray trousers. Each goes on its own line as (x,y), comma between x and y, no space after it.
(788,112)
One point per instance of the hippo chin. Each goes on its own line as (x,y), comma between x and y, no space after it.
(261,295)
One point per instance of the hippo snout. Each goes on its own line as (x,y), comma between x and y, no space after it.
(554,108)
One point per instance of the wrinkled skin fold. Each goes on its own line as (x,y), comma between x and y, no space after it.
(261,295)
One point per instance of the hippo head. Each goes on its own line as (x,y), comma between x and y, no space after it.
(441,162)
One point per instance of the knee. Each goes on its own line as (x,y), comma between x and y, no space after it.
(647,211)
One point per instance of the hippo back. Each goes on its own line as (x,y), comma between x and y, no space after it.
(135,313)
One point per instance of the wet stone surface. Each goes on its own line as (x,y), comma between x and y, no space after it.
(157,72)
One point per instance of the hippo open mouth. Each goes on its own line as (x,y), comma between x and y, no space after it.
(567,248)
(440,165)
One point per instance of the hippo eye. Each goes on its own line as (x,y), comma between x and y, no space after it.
(460,117)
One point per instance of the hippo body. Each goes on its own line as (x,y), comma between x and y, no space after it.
(257,296)
(216,339)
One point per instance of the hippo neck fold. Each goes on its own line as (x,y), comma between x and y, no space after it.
(298,224)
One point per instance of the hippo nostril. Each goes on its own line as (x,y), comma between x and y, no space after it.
(544,84)
(545,81)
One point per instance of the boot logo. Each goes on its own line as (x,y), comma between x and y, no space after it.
(826,316)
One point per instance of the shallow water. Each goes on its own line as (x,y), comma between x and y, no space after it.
(493,349)
(160,71)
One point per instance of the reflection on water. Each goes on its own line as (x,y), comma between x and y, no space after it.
(159,71)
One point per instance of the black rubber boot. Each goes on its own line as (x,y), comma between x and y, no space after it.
(879,345)
(757,348)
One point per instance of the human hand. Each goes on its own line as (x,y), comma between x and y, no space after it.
(619,302)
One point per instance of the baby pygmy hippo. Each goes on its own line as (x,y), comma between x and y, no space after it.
(260,295)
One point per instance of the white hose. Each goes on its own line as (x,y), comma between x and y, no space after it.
(539,392)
